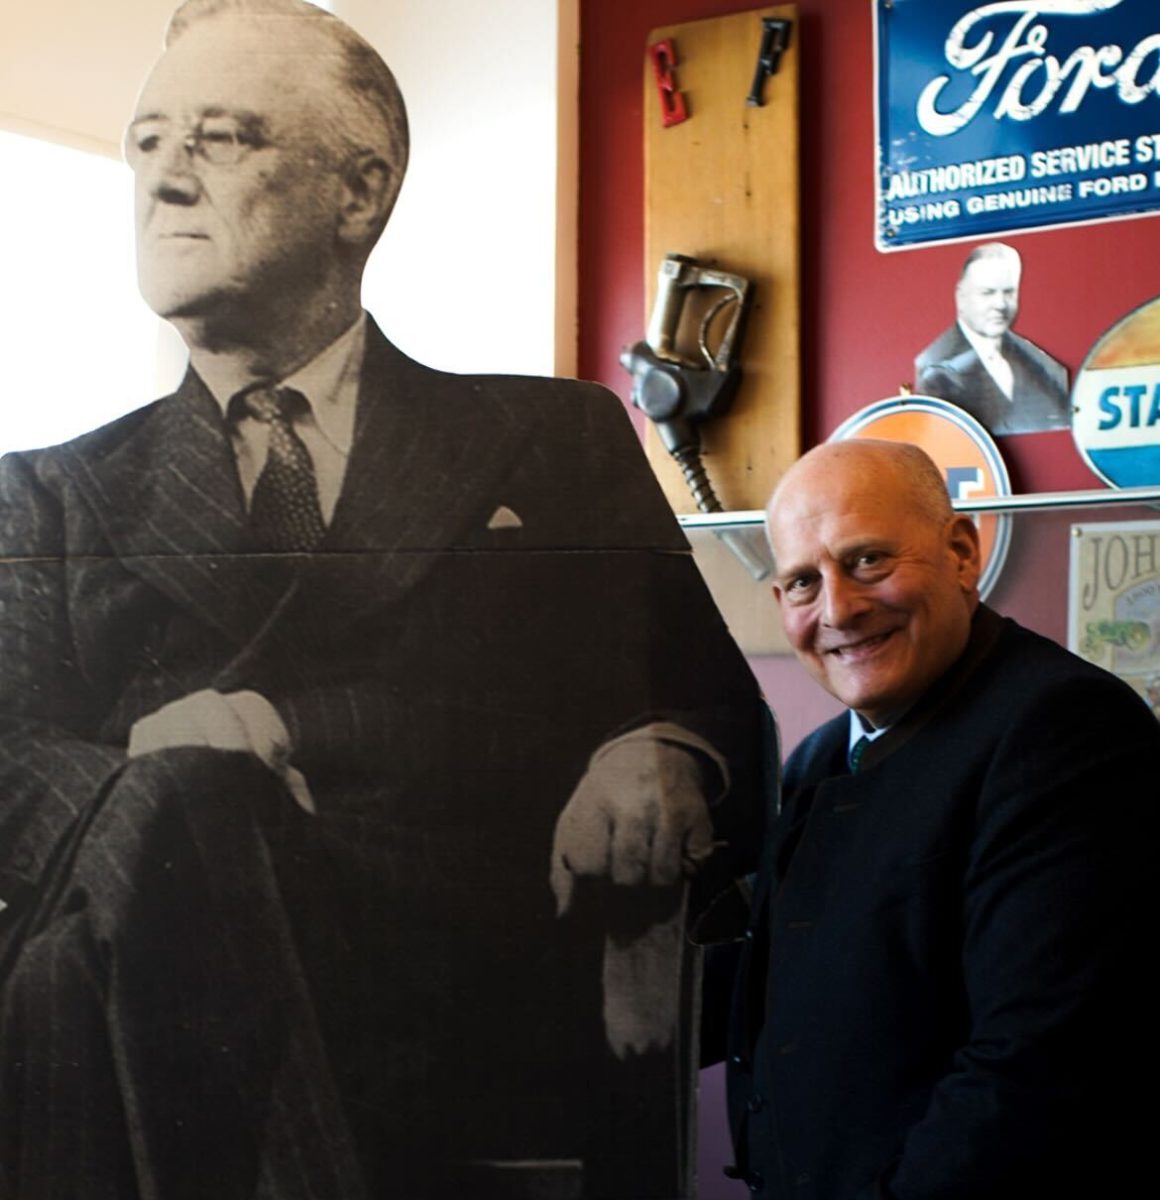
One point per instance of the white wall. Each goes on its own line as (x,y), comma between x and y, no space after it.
(78,346)
(469,275)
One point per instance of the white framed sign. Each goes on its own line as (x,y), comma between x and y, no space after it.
(1114,601)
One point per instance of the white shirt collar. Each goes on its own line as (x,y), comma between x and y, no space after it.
(985,348)
(859,730)
(991,356)
(329,381)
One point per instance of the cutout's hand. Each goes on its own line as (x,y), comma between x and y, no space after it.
(244,721)
(639,815)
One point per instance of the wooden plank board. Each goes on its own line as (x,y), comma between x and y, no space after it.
(722,187)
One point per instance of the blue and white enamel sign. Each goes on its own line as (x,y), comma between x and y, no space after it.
(1013,115)
(1116,402)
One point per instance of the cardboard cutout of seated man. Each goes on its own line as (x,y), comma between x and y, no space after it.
(359,723)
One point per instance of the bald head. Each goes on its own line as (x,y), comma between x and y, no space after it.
(876,577)
(903,469)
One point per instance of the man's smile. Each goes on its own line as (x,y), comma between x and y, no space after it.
(855,651)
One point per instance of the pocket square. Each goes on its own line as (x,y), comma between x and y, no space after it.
(504,518)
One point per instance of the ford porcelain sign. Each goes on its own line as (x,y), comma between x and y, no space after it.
(1116,402)
(1014,115)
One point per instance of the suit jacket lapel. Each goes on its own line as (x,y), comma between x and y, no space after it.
(429,451)
(168,499)
(986,629)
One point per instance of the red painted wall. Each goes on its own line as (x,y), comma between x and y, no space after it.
(864,314)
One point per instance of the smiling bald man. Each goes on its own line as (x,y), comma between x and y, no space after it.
(941,985)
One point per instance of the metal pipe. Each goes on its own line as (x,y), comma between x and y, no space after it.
(1031,502)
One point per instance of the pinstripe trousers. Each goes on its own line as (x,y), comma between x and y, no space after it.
(160,1035)
(221,996)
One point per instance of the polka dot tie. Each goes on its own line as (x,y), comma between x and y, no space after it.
(284,511)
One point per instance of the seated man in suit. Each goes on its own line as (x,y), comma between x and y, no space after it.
(944,975)
(1004,380)
(313,673)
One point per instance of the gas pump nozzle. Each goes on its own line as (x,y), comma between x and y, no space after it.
(679,389)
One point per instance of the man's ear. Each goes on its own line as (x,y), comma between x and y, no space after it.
(963,543)
(368,197)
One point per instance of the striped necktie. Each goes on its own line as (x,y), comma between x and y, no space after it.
(285,514)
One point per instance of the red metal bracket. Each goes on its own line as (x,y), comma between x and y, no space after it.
(664,59)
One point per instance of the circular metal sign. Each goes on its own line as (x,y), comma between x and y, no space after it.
(1116,402)
(963,451)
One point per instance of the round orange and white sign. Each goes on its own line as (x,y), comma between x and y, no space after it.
(961,448)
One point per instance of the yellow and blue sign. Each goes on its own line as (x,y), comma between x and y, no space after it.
(963,451)
(1116,402)
(1016,115)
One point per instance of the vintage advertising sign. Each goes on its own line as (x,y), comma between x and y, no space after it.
(1013,115)
(963,450)
(1116,402)
(1114,601)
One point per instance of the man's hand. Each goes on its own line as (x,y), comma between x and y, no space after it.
(639,815)
(242,721)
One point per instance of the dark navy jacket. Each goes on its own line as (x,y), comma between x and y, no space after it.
(942,987)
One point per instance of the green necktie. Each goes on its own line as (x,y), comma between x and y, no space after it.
(856,752)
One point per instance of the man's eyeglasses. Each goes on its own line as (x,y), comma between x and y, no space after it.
(220,141)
